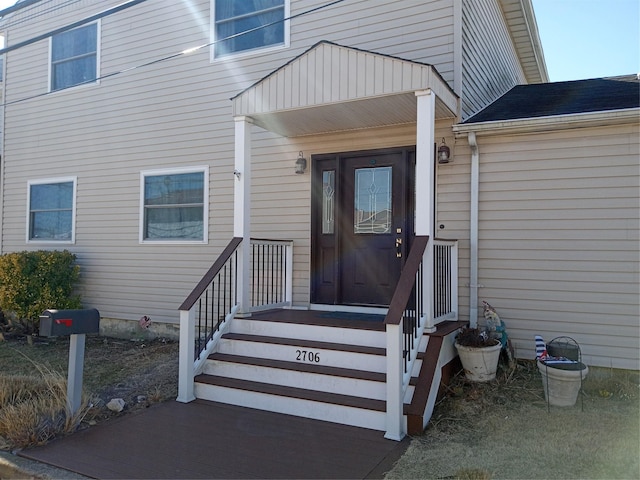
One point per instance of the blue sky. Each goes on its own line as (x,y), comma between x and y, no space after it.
(581,38)
(589,38)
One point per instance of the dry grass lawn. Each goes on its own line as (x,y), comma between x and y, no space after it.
(33,410)
(504,429)
(33,384)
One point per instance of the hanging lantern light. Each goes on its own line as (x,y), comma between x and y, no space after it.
(444,152)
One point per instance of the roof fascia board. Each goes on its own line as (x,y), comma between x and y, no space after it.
(555,122)
(525,12)
(534,35)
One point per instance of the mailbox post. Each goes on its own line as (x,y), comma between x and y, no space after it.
(76,324)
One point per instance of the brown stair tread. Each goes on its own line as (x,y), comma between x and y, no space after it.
(300,367)
(293,392)
(306,343)
(448,326)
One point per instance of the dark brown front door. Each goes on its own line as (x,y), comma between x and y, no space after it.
(361,221)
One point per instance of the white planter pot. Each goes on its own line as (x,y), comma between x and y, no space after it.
(561,387)
(480,364)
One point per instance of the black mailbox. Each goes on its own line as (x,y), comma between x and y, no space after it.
(56,323)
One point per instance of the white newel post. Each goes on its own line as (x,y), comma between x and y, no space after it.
(288,271)
(242,208)
(394,420)
(425,195)
(186,353)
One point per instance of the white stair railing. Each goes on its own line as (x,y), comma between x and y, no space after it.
(209,309)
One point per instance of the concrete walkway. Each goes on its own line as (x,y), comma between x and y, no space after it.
(14,466)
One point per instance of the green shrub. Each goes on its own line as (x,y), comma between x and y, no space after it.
(31,282)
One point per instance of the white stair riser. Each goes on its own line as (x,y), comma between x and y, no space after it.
(309,381)
(424,340)
(293,406)
(408,394)
(417,364)
(309,332)
(330,358)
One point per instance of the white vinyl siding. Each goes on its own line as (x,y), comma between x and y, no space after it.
(490,64)
(558,239)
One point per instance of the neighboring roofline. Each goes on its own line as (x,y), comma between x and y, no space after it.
(525,12)
(550,123)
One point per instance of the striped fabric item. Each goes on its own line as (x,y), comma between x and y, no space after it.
(541,347)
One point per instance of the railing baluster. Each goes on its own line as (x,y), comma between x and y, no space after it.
(270,272)
(445,280)
(271,296)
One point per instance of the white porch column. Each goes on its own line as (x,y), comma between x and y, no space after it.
(425,195)
(186,354)
(395,427)
(242,208)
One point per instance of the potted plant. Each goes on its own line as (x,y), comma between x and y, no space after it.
(479,353)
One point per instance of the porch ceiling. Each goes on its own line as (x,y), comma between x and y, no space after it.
(332,88)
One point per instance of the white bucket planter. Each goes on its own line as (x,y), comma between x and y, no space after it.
(480,363)
(561,386)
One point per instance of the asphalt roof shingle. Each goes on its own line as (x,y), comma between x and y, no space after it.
(562,98)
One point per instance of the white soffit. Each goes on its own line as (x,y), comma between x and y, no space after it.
(523,27)
(333,88)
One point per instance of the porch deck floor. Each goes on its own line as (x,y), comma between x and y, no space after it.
(361,321)
(205,439)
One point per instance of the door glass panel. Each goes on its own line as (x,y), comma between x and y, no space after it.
(328,201)
(372,202)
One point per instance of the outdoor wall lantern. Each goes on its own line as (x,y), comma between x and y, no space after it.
(444,153)
(301,164)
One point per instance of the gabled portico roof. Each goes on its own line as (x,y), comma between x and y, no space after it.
(333,88)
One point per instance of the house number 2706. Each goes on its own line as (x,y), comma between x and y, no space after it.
(304,356)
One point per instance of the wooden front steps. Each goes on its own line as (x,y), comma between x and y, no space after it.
(312,365)
(430,378)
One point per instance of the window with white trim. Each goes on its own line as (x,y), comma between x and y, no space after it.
(74,57)
(262,20)
(51,210)
(174,205)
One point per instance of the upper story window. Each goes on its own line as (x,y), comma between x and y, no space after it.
(74,57)
(51,210)
(174,205)
(263,20)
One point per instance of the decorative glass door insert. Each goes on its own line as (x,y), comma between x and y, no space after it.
(372,200)
(328,201)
